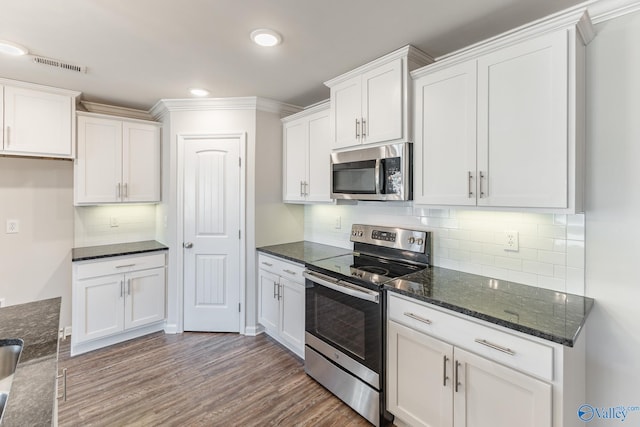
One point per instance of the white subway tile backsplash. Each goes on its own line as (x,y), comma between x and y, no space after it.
(472,241)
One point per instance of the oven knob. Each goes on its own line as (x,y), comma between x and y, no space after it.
(360,233)
(419,241)
(412,240)
(354,233)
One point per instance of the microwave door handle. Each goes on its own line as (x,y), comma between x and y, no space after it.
(378,170)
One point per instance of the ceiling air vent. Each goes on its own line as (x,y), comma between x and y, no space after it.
(59,64)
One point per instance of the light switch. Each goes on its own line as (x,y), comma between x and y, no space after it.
(13,226)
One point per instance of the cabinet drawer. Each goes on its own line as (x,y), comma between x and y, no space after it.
(118,265)
(506,348)
(289,270)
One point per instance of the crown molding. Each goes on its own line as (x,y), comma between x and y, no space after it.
(34,86)
(605,10)
(164,106)
(311,109)
(113,110)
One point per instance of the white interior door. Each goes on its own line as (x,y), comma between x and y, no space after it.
(212,199)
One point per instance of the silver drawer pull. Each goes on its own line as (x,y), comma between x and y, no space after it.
(418,318)
(64,385)
(293,273)
(125,266)
(267,264)
(496,347)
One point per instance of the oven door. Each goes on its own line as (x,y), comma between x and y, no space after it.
(348,318)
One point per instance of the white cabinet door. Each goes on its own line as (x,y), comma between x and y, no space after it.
(38,122)
(346,113)
(140,162)
(100,307)
(419,370)
(98,168)
(145,297)
(445,130)
(523,124)
(319,154)
(491,395)
(269,305)
(382,103)
(295,159)
(292,313)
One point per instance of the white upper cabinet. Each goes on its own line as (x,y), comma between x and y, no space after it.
(37,120)
(306,163)
(501,125)
(371,103)
(118,160)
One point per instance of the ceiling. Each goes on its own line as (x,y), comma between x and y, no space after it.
(139,51)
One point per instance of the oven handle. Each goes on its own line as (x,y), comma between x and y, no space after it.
(342,287)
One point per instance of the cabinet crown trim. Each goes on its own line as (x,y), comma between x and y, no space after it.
(118,117)
(415,56)
(43,88)
(165,106)
(574,18)
(315,108)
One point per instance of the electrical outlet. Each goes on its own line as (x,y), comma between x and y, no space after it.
(13,226)
(511,241)
(113,221)
(2,302)
(338,223)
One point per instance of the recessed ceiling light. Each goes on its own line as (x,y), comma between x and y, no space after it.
(11,48)
(266,37)
(195,91)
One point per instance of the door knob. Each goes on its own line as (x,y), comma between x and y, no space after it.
(187,245)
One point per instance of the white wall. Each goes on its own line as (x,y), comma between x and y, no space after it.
(35,264)
(613,215)
(103,225)
(551,253)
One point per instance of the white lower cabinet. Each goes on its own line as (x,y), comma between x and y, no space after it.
(117,299)
(281,301)
(444,370)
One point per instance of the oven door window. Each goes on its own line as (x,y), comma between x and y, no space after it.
(355,177)
(350,324)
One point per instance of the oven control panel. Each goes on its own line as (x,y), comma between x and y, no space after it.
(390,237)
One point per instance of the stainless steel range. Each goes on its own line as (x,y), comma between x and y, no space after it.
(345,313)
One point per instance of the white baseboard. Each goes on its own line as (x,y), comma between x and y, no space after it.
(252,331)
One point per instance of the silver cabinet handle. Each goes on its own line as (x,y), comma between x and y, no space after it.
(364,127)
(293,273)
(301,188)
(469,180)
(444,371)
(279,292)
(482,176)
(121,288)
(496,346)
(126,191)
(357,129)
(118,193)
(457,377)
(267,264)
(275,291)
(8,135)
(187,245)
(418,318)
(129,287)
(64,385)
(125,266)
(306,188)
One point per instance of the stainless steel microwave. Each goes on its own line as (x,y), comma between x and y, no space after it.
(376,173)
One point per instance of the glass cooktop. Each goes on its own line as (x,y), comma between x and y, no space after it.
(364,268)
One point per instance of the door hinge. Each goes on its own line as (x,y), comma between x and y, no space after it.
(239,308)
(239,234)
(239,161)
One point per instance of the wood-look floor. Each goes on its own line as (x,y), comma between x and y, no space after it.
(196,379)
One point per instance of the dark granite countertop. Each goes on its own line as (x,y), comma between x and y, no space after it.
(551,315)
(105,251)
(304,251)
(33,389)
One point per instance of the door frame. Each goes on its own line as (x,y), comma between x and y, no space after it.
(181,139)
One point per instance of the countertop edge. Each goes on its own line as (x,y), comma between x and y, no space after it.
(568,342)
(279,255)
(89,253)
